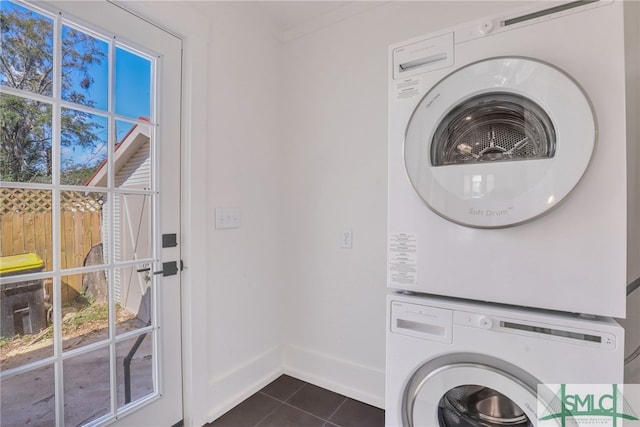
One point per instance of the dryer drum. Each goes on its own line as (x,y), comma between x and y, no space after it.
(477,406)
(497,142)
(493,127)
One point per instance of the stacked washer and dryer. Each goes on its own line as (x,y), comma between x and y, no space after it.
(514,212)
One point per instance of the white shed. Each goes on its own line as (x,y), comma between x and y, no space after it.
(132,215)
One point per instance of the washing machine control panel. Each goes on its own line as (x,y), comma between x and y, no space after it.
(560,333)
(419,321)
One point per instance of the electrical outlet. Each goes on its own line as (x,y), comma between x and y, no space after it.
(346,238)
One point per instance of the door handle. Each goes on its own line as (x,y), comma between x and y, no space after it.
(168,269)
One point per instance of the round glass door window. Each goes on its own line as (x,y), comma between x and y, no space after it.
(499,142)
(477,406)
(469,393)
(493,127)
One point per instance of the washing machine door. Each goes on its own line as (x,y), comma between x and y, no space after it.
(469,394)
(499,142)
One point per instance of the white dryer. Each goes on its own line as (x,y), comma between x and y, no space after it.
(513,159)
(453,363)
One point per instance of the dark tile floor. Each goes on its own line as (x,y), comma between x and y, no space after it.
(290,402)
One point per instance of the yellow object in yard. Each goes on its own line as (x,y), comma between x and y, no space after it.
(20,264)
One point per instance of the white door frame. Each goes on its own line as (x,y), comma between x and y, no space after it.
(193,28)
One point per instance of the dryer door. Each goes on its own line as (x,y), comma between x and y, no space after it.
(499,142)
(469,394)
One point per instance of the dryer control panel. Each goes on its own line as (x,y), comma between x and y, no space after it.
(437,324)
(526,16)
(423,56)
(538,330)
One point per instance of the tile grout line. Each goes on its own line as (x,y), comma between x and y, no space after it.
(282,403)
(285,402)
(269,396)
(326,420)
(267,416)
(301,387)
(306,412)
(287,398)
(337,409)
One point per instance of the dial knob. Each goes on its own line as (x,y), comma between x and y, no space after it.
(486,27)
(485,322)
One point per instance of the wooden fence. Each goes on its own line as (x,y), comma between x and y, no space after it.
(26,226)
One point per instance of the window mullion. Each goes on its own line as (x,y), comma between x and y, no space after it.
(110,238)
(56,129)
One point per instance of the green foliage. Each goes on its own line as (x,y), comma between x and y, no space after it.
(26,64)
(27,51)
(76,174)
(25,149)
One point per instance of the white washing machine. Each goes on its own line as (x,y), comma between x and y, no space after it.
(458,363)
(514,159)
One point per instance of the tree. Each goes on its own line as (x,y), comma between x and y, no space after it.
(26,63)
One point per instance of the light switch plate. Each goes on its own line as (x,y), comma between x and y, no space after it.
(227,218)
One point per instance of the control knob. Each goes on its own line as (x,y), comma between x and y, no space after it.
(486,27)
(485,322)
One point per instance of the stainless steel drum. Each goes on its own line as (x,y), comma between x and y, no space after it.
(477,406)
(493,127)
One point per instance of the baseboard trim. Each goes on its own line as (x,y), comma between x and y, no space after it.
(231,388)
(358,382)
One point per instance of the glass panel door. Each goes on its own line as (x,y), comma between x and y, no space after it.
(90,180)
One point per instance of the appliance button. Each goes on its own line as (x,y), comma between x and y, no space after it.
(486,27)
(608,341)
(485,322)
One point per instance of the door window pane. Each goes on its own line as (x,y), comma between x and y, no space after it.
(85,319)
(83,149)
(28,399)
(132,84)
(27,50)
(26,333)
(85,68)
(25,223)
(132,289)
(132,164)
(132,226)
(83,233)
(26,330)
(25,140)
(86,387)
(134,368)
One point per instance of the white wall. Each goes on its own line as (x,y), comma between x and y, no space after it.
(334,120)
(245,293)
